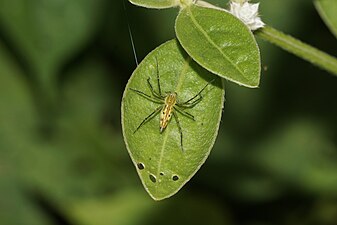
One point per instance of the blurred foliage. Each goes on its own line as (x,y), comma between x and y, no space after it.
(63,68)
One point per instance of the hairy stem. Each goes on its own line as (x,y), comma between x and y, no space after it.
(298,48)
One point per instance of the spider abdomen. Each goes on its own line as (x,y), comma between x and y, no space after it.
(166,114)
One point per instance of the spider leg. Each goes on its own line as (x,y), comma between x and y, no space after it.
(158,78)
(190,104)
(184,113)
(198,94)
(149,117)
(180,130)
(152,99)
(154,93)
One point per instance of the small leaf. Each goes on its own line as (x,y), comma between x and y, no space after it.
(328,11)
(221,43)
(156,4)
(159,159)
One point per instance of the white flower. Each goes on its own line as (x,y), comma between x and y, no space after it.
(247,13)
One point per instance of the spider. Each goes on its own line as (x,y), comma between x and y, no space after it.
(169,107)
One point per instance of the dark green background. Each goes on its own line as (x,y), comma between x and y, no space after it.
(63,67)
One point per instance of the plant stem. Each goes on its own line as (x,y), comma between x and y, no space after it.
(298,48)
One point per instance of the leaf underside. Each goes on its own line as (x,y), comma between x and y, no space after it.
(158,157)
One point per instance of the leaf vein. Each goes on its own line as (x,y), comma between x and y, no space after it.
(179,83)
(199,27)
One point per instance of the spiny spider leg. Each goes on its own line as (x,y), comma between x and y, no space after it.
(190,104)
(154,93)
(198,93)
(149,117)
(152,99)
(158,78)
(180,130)
(184,113)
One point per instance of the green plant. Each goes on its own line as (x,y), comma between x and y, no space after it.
(219,44)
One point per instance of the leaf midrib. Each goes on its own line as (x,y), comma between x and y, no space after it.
(199,27)
(179,83)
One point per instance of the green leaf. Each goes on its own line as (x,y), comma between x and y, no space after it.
(328,10)
(166,166)
(156,4)
(221,43)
